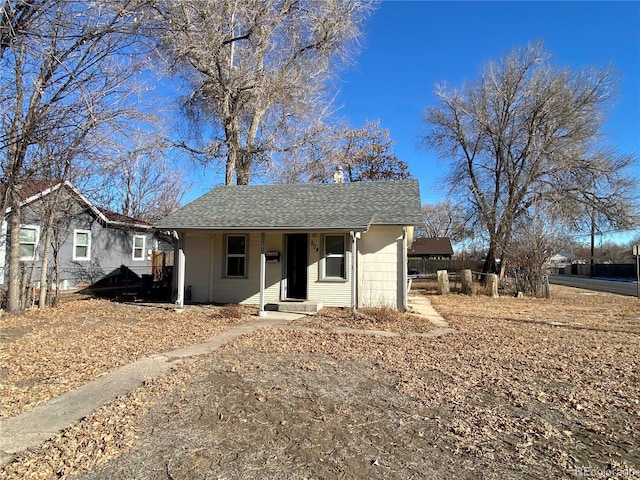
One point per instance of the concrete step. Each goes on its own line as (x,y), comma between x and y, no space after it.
(294,306)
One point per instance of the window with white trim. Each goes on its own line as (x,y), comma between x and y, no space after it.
(139,242)
(334,256)
(28,242)
(81,245)
(236,256)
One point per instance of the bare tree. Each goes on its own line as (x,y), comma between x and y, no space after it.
(527,132)
(362,154)
(536,237)
(64,75)
(139,180)
(258,70)
(445,219)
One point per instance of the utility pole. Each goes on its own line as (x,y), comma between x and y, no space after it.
(592,270)
(636,252)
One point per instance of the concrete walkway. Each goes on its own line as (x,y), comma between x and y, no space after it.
(420,305)
(43,422)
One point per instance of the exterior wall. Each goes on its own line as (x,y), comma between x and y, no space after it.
(333,293)
(379,258)
(111,247)
(204,275)
(197,267)
(111,250)
(380,263)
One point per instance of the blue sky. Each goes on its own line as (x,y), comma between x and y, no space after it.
(412,45)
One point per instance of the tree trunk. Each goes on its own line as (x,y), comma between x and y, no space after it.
(13,287)
(490,262)
(230,167)
(242,174)
(42,300)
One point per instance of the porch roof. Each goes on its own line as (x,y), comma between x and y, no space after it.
(353,206)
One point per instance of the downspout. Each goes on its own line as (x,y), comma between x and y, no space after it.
(263,267)
(405,277)
(354,272)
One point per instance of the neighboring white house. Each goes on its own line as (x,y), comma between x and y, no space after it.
(338,244)
(559,262)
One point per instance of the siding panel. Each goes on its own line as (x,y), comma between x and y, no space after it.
(197,263)
(331,293)
(380,250)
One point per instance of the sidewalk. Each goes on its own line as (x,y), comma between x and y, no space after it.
(421,305)
(43,422)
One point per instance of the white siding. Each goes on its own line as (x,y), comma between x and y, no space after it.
(380,254)
(333,293)
(247,290)
(197,266)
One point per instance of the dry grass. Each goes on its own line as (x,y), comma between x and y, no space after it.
(524,388)
(46,353)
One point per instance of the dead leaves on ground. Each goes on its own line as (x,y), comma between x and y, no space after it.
(522,385)
(61,349)
(547,384)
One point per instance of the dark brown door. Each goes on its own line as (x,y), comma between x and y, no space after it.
(296,266)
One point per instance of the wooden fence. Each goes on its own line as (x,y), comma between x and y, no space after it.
(428,266)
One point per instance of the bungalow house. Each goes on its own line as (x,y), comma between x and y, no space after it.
(335,244)
(88,243)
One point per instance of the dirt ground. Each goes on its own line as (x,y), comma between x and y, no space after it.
(523,388)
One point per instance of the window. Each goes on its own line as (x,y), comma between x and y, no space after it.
(138,247)
(236,261)
(334,257)
(81,244)
(28,242)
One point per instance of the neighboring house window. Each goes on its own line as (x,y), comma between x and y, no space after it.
(335,257)
(236,256)
(138,247)
(28,242)
(81,244)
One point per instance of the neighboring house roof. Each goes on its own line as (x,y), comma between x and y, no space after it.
(353,205)
(114,217)
(431,246)
(33,188)
(37,189)
(563,257)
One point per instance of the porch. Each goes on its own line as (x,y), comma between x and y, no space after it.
(302,306)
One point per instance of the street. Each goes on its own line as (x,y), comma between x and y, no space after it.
(621,287)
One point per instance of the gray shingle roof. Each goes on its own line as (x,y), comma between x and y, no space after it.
(301,206)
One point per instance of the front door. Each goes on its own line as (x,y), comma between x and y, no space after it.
(296,266)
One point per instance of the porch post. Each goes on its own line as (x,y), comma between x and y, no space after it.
(354,271)
(263,267)
(180,260)
(405,278)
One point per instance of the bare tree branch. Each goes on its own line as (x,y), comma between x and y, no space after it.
(528,133)
(258,69)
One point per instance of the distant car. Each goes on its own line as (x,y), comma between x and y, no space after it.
(414,271)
